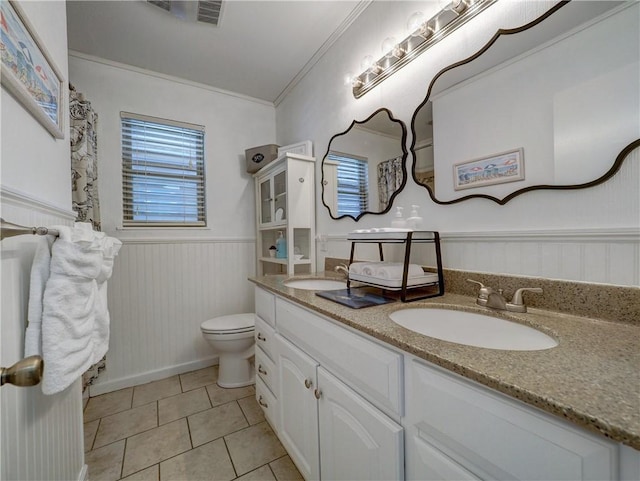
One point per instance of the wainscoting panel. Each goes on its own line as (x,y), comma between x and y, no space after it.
(160,293)
(41,436)
(603,256)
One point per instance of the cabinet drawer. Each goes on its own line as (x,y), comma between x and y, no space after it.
(369,368)
(268,403)
(265,306)
(264,335)
(498,438)
(266,370)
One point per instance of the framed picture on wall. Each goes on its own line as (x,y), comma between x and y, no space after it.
(28,71)
(494,169)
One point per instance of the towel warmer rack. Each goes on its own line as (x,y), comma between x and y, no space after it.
(9,229)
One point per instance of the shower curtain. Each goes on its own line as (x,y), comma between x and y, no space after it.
(84,179)
(390,178)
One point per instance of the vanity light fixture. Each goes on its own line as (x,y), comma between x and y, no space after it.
(424,33)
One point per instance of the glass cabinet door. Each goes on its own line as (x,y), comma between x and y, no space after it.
(265,201)
(280,196)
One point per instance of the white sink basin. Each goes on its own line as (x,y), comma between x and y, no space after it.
(473,329)
(316,284)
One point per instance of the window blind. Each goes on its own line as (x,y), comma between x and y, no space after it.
(353,183)
(162,172)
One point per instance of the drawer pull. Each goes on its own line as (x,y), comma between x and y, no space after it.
(317,393)
(308,383)
(260,337)
(262,403)
(261,370)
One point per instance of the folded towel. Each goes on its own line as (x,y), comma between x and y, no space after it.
(369,270)
(38,281)
(75,318)
(356,267)
(395,271)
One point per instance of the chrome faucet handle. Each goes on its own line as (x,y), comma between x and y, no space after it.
(517,296)
(517,303)
(484,291)
(342,268)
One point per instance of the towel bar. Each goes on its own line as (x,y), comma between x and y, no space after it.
(9,229)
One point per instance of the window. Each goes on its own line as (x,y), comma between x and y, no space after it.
(162,172)
(353,183)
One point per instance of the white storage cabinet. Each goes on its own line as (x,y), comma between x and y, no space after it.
(285,202)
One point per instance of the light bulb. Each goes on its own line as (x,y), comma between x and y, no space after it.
(415,21)
(348,79)
(367,62)
(388,45)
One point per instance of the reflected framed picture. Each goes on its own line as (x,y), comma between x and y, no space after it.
(28,72)
(493,169)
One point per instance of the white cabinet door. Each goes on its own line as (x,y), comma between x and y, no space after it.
(492,436)
(298,430)
(357,442)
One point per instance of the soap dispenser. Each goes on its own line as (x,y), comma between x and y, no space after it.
(281,246)
(398,221)
(415,221)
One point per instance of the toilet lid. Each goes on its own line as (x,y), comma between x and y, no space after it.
(234,323)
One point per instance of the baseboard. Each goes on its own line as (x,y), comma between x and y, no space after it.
(84,473)
(149,376)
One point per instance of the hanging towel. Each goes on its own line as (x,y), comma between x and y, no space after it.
(394,271)
(73,304)
(101,331)
(39,278)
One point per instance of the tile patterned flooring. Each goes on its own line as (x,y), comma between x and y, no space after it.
(182,428)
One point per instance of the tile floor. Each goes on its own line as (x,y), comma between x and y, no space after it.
(183,428)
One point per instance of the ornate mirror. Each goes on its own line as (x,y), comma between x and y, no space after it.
(364,167)
(553,104)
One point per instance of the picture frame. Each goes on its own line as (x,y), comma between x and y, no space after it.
(28,72)
(490,170)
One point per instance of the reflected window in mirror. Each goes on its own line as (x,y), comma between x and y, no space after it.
(559,90)
(352,183)
(364,167)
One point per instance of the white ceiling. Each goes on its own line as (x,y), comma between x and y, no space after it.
(258,49)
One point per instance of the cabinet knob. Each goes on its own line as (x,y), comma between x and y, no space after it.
(308,383)
(260,337)
(317,393)
(301,180)
(262,403)
(261,370)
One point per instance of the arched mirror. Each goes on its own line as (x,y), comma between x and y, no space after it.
(550,105)
(364,167)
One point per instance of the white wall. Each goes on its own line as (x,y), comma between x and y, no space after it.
(168,281)
(41,436)
(586,235)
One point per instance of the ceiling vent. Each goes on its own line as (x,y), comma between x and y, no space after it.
(209,11)
(205,11)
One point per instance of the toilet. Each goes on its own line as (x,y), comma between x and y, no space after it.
(232,338)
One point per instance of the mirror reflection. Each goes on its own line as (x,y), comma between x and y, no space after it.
(550,105)
(364,167)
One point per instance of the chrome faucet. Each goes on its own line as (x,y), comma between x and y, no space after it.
(488,297)
(343,269)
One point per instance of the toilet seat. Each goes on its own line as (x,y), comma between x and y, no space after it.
(232,324)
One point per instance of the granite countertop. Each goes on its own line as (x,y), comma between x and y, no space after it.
(592,378)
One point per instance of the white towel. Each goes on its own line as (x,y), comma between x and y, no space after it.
(38,281)
(74,305)
(356,267)
(394,271)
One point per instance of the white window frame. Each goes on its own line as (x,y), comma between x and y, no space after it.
(145,172)
(363,180)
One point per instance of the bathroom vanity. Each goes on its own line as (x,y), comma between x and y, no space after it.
(352,395)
